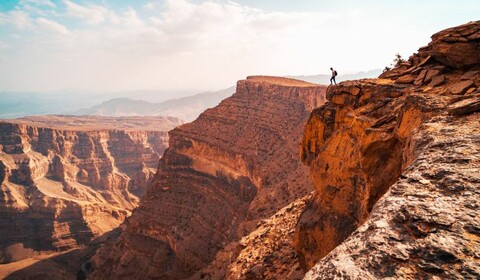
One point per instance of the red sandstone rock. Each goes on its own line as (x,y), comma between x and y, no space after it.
(465,107)
(396,169)
(460,87)
(234,166)
(457,47)
(60,187)
(437,81)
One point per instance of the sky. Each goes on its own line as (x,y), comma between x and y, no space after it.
(196,45)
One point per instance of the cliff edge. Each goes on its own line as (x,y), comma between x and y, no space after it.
(396,166)
(233,167)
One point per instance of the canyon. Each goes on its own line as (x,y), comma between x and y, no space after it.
(224,173)
(65,180)
(394,162)
(367,179)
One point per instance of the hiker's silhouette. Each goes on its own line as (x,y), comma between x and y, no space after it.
(334,74)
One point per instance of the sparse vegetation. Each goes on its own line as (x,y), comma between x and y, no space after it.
(396,62)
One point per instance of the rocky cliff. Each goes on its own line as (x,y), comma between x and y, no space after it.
(223,174)
(65,180)
(396,166)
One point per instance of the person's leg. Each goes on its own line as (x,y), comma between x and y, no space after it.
(334,80)
(331,79)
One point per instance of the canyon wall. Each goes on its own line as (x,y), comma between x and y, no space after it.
(64,180)
(222,176)
(395,162)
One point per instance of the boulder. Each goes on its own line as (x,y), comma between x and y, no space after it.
(460,87)
(454,49)
(438,80)
(431,74)
(419,80)
(465,107)
(406,79)
(469,75)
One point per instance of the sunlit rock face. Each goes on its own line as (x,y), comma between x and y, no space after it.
(62,185)
(230,169)
(396,166)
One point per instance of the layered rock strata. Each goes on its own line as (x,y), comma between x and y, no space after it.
(411,139)
(61,185)
(267,253)
(236,165)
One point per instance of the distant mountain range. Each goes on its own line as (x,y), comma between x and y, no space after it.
(20,104)
(186,108)
(325,79)
(14,105)
(135,103)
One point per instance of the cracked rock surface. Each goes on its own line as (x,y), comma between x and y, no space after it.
(396,165)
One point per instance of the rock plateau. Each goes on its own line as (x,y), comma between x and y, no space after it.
(230,169)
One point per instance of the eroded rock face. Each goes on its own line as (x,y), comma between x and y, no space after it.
(457,47)
(415,128)
(348,142)
(427,224)
(61,187)
(234,166)
(267,253)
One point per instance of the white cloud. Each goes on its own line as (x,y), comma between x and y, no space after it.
(92,14)
(212,43)
(3,45)
(187,44)
(213,25)
(151,5)
(51,25)
(23,21)
(20,19)
(47,3)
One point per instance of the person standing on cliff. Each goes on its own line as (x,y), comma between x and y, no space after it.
(334,74)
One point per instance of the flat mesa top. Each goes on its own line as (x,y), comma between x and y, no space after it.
(97,123)
(281,81)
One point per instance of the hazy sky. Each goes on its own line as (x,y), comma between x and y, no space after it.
(119,45)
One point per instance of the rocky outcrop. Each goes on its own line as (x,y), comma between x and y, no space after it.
(223,174)
(63,181)
(267,253)
(396,168)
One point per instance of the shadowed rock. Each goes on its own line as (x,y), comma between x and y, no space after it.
(234,166)
(396,169)
(64,180)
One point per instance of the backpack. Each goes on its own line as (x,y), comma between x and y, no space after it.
(335,73)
